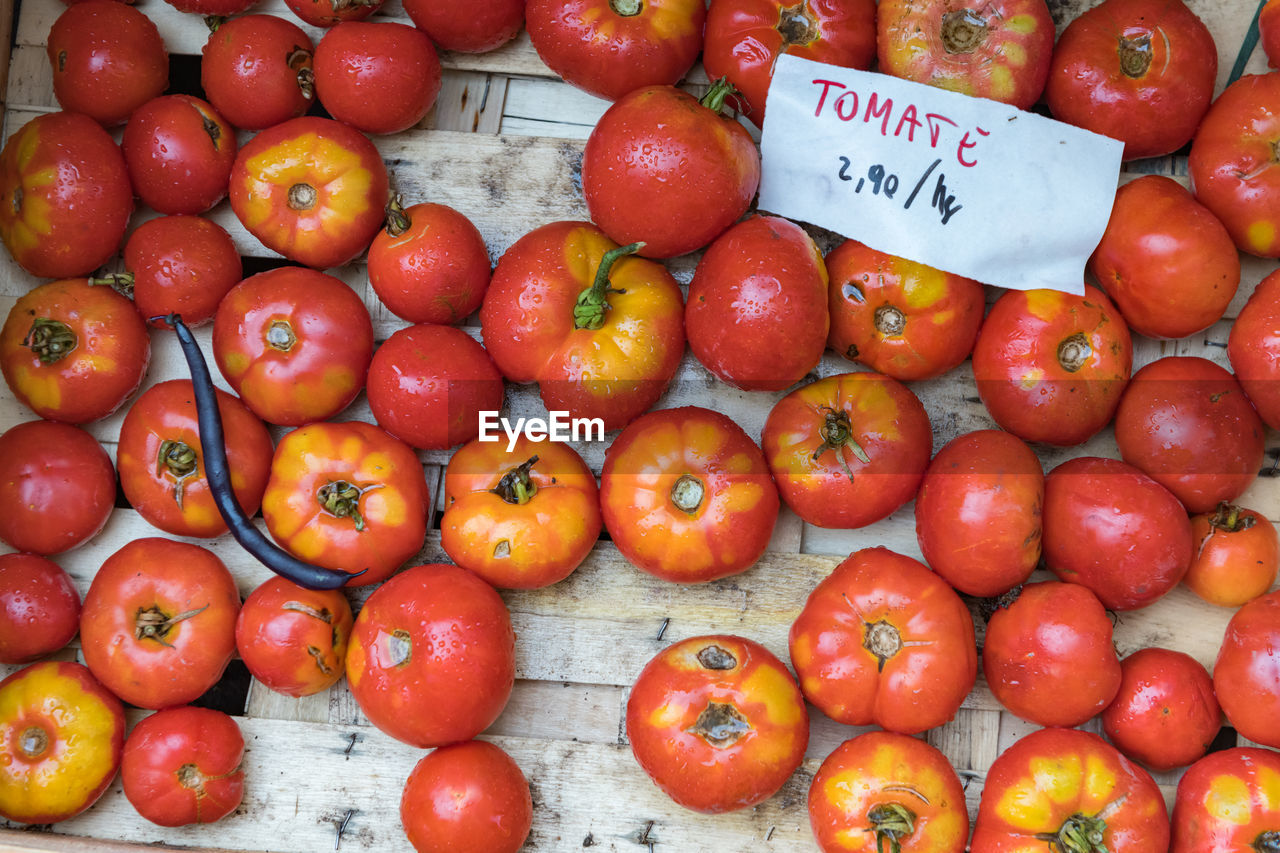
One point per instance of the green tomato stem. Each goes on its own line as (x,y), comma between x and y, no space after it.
(593,303)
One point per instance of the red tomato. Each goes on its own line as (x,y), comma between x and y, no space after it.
(326,13)
(212,8)
(180,265)
(476,27)
(1269,31)
(746,37)
(898,317)
(161,459)
(882,790)
(179,151)
(1167,263)
(978,513)
(39,607)
(1254,349)
(761,287)
(67,197)
(467,797)
(312,189)
(294,343)
(1187,423)
(1236,555)
(256,70)
(1115,530)
(1228,801)
(432,656)
(1048,655)
(57,487)
(62,734)
(717,722)
(999,50)
(347,496)
(429,264)
(1165,714)
(884,641)
(73,352)
(1244,676)
(377,77)
(158,623)
(664,169)
(182,766)
(848,450)
(294,640)
(600,332)
(1050,367)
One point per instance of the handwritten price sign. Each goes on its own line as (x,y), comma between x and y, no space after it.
(967,185)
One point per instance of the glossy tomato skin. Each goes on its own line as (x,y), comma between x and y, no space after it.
(717,722)
(158,623)
(1227,801)
(181,265)
(1236,555)
(1055,776)
(1254,349)
(294,343)
(327,13)
(1187,423)
(179,151)
(207,8)
(1244,674)
(815,439)
(161,459)
(643,160)
(979,512)
(1115,530)
(377,77)
(57,487)
(467,797)
(256,70)
(1050,367)
(39,608)
(472,28)
(757,311)
(1165,714)
(862,788)
(292,639)
(522,517)
(425,698)
(55,225)
(899,317)
(63,733)
(1165,260)
(182,766)
(884,641)
(687,495)
(347,496)
(73,352)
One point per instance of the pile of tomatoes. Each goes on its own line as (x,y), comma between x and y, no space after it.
(589,312)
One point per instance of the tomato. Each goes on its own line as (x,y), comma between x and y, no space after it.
(212,8)
(667,170)
(1050,367)
(294,343)
(432,656)
(761,287)
(1187,423)
(1254,349)
(326,13)
(1269,31)
(429,264)
(73,352)
(1071,790)
(1233,165)
(978,513)
(179,265)
(1228,801)
(898,317)
(467,797)
(999,50)
(1236,555)
(161,459)
(179,151)
(182,766)
(377,77)
(1244,676)
(1115,530)
(600,332)
(62,734)
(717,722)
(1048,655)
(687,495)
(611,47)
(347,496)
(883,790)
(1167,263)
(521,517)
(428,386)
(158,623)
(66,192)
(294,640)
(256,70)
(1165,714)
(745,38)
(848,450)
(39,607)
(57,487)
(471,28)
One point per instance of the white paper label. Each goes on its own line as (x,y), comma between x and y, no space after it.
(967,185)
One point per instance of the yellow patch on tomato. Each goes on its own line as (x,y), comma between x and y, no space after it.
(1267,789)
(1031,378)
(1261,236)
(1025,805)
(1002,83)
(668,23)
(1015,53)
(1227,800)
(355,661)
(777,691)
(1044,305)
(41,392)
(743,497)
(384,505)
(925,285)
(1099,779)
(665,715)
(1021,24)
(236,363)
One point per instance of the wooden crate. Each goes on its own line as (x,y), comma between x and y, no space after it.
(504,146)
